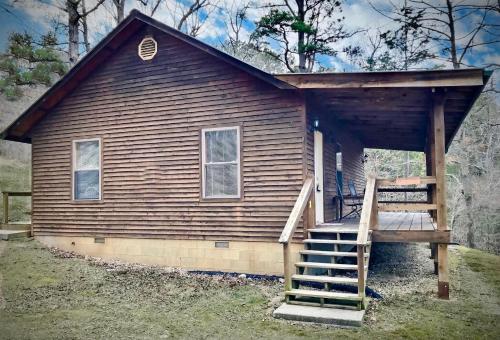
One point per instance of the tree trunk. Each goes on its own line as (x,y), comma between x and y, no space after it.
(73,36)
(301,36)
(453,43)
(85,28)
(120,10)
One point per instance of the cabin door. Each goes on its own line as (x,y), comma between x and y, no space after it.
(318,175)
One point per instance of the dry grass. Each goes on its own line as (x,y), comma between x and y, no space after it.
(49,296)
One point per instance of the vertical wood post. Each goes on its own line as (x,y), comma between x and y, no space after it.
(287,271)
(361,271)
(6,207)
(430,163)
(374,214)
(440,171)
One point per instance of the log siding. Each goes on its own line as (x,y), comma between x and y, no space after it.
(149,116)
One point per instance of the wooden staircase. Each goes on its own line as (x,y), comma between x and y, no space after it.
(333,266)
(327,274)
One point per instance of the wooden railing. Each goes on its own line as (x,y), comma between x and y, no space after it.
(6,195)
(368,220)
(400,185)
(303,200)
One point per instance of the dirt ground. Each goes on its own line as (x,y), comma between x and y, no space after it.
(51,294)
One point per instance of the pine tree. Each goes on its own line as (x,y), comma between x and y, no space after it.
(28,62)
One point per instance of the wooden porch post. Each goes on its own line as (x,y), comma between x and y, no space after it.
(438,129)
(430,167)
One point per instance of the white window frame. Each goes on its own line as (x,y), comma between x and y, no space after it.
(204,161)
(74,169)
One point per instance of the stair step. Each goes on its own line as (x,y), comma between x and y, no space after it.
(324,294)
(327,265)
(324,279)
(331,253)
(340,230)
(320,241)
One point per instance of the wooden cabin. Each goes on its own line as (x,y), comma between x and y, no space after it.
(157,148)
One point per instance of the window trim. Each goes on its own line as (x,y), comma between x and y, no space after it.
(74,169)
(204,163)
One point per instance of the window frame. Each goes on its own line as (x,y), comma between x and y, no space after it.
(204,163)
(74,169)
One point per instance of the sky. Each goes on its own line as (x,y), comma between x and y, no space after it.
(36,16)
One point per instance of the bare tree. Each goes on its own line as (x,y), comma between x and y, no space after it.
(119,10)
(85,27)
(150,6)
(187,16)
(440,19)
(77,14)
(236,40)
(473,171)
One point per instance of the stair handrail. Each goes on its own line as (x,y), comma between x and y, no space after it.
(291,226)
(369,212)
(297,211)
(368,220)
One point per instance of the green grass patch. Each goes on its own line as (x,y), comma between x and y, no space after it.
(488,265)
(51,297)
(15,176)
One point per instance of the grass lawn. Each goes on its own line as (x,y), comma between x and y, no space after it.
(47,296)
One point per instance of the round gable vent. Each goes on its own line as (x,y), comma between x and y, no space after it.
(147,48)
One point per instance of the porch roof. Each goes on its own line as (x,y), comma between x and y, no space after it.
(390,110)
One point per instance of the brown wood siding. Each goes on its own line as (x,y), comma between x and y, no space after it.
(330,179)
(149,115)
(352,155)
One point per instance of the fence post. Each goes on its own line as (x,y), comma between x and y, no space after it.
(6,207)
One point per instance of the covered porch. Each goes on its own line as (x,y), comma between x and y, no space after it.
(408,111)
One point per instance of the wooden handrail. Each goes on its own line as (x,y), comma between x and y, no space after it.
(17,193)
(291,226)
(366,221)
(298,209)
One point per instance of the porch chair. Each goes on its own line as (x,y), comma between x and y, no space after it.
(352,200)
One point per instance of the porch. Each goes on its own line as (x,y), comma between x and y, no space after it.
(402,227)
(407,111)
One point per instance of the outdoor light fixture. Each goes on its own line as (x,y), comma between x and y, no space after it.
(316,123)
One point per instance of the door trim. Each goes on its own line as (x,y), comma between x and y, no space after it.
(319,177)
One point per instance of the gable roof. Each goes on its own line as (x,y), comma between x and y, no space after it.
(19,129)
(365,101)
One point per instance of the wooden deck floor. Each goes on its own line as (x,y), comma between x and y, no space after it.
(405,221)
(398,221)
(403,227)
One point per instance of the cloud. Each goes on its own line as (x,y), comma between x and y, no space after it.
(38,11)
(359,15)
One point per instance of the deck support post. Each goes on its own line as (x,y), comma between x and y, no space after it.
(434,257)
(287,270)
(438,150)
(5,207)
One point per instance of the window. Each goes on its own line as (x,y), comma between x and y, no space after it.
(87,169)
(221,162)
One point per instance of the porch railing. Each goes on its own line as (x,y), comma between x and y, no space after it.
(305,198)
(6,195)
